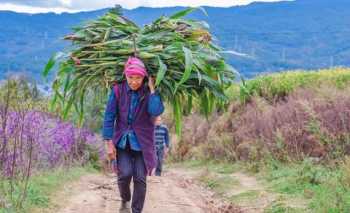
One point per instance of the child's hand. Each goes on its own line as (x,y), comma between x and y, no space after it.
(166,152)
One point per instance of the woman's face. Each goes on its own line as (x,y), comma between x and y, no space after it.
(135,81)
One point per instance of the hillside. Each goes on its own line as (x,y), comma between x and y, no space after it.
(278,36)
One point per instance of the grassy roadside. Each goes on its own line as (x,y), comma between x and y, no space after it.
(293,127)
(277,85)
(277,187)
(43,186)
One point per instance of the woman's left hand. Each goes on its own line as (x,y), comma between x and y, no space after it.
(151,84)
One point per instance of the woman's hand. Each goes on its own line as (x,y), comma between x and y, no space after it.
(151,84)
(111,151)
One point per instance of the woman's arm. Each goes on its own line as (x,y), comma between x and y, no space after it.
(108,125)
(110,116)
(155,104)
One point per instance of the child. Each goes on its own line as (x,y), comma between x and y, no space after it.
(161,135)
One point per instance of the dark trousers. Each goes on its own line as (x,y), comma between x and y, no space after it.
(160,157)
(131,165)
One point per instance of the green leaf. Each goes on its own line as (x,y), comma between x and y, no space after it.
(189,104)
(177,115)
(183,13)
(188,66)
(204,104)
(53,102)
(81,112)
(199,75)
(211,103)
(76,107)
(68,107)
(161,72)
(66,84)
(56,88)
(65,68)
(108,32)
(168,84)
(50,64)
(187,11)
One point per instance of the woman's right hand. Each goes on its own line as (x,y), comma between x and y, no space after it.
(111,150)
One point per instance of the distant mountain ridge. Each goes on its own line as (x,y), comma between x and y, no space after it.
(301,34)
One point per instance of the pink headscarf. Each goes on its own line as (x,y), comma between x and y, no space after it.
(135,66)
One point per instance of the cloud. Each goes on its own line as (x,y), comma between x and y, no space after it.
(33,6)
(194,3)
(67,3)
(33,9)
(34,3)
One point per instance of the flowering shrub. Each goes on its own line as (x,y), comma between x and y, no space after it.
(32,140)
(53,142)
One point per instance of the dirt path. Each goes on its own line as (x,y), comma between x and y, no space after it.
(175,192)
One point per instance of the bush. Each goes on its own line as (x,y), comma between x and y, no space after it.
(290,116)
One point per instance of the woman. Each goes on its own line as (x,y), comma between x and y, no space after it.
(128,131)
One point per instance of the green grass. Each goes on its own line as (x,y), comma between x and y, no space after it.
(281,207)
(42,186)
(221,184)
(299,187)
(324,187)
(319,188)
(211,166)
(245,196)
(278,85)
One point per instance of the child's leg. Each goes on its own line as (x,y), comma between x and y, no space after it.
(160,156)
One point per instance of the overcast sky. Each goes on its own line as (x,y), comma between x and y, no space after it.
(58,6)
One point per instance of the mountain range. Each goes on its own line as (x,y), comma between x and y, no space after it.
(300,34)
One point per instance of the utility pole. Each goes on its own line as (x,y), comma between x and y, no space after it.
(331,61)
(43,42)
(236,42)
(252,52)
(283,54)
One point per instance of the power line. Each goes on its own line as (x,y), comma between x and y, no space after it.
(237,33)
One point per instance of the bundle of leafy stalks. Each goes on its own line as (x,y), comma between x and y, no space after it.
(189,69)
